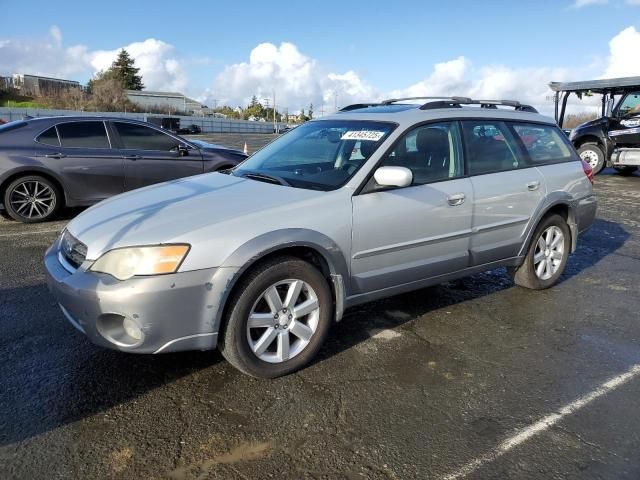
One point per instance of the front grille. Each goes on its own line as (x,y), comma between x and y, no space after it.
(72,250)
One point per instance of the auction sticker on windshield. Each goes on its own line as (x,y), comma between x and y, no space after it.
(370,135)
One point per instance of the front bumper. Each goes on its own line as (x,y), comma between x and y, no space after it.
(174,312)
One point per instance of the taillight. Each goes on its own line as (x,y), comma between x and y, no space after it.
(588,171)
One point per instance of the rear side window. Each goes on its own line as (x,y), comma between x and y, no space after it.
(490,147)
(83,135)
(49,137)
(543,143)
(139,137)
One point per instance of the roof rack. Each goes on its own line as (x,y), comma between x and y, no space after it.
(355,106)
(447,102)
(394,100)
(457,102)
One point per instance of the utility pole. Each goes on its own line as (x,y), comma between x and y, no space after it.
(275,125)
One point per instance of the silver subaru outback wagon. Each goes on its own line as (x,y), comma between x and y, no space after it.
(375,200)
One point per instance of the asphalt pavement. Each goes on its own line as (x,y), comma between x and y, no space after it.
(470,379)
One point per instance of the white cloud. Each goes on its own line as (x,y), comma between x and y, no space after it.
(159,67)
(297,79)
(623,49)
(43,56)
(633,2)
(158,62)
(458,77)
(587,3)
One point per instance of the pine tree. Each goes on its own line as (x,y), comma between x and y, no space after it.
(124,70)
(310,114)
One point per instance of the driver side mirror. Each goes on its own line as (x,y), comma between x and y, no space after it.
(182,150)
(393,177)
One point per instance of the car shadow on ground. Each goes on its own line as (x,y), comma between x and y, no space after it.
(53,376)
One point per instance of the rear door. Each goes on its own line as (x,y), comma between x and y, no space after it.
(507,191)
(91,169)
(152,156)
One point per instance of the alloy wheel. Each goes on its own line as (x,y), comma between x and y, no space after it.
(283,320)
(549,253)
(32,199)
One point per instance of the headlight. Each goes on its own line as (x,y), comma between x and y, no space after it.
(124,263)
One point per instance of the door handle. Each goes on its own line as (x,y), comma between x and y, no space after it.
(55,155)
(533,185)
(457,199)
(133,157)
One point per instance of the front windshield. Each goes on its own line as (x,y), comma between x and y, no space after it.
(319,155)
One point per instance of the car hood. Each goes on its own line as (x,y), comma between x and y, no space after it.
(214,147)
(176,211)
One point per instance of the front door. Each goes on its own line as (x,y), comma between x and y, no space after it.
(624,128)
(408,234)
(152,156)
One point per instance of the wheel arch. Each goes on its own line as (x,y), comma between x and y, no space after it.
(308,245)
(589,138)
(4,184)
(562,206)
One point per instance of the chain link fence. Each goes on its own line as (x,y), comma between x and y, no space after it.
(206,124)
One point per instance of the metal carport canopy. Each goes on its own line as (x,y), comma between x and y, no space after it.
(608,85)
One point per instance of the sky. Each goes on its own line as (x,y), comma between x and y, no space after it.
(331,52)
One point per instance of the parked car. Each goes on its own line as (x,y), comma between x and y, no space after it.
(369,202)
(46,163)
(192,129)
(614,138)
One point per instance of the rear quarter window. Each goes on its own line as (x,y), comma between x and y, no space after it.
(49,137)
(543,143)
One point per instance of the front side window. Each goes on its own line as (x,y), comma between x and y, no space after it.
(49,137)
(139,137)
(83,135)
(490,147)
(431,152)
(320,155)
(630,105)
(543,143)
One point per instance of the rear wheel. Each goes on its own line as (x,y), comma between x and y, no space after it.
(547,255)
(626,170)
(593,155)
(32,199)
(278,319)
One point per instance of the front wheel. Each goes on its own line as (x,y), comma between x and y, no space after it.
(547,255)
(279,318)
(593,155)
(32,199)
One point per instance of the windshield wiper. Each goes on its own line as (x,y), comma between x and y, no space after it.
(263,177)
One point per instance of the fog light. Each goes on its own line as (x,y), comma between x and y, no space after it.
(132,329)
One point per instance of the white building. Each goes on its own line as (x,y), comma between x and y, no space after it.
(172,101)
(36,85)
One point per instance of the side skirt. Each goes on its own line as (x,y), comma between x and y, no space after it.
(428,282)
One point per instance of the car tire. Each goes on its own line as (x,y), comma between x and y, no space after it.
(258,348)
(43,199)
(536,272)
(593,155)
(626,170)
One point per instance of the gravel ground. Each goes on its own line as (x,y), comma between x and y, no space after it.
(445,382)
